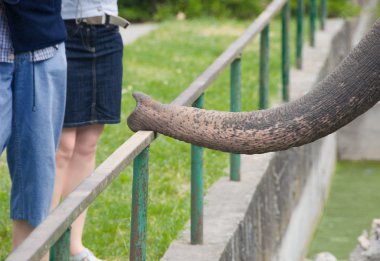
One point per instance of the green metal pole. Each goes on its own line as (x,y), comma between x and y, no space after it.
(299,39)
(197,187)
(60,251)
(323,13)
(264,68)
(285,51)
(139,206)
(313,18)
(235,107)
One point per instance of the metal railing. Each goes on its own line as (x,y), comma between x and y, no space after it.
(54,232)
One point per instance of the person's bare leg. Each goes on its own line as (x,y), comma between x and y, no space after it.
(81,165)
(64,154)
(20,230)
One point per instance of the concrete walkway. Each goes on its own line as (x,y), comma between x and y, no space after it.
(135,31)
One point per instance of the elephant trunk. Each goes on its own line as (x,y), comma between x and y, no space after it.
(352,89)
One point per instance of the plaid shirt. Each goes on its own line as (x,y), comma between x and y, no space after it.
(6,49)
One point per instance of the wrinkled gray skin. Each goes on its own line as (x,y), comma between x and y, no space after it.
(352,89)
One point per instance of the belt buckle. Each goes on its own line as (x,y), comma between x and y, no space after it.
(116,20)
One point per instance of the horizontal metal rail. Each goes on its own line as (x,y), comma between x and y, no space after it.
(59,221)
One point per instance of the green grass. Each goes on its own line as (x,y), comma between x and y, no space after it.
(352,205)
(5,228)
(162,65)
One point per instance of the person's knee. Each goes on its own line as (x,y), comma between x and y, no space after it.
(65,150)
(87,140)
(86,147)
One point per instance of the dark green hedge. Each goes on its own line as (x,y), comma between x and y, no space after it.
(145,10)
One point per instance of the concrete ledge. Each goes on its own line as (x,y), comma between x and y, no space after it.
(271,213)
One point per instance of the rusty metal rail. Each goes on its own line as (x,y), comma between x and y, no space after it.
(55,230)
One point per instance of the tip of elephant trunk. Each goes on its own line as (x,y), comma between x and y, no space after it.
(140,98)
(136,120)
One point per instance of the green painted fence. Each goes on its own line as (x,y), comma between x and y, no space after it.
(54,232)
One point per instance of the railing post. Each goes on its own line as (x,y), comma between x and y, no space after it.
(299,39)
(197,187)
(60,251)
(323,13)
(285,51)
(264,68)
(235,107)
(139,206)
(313,17)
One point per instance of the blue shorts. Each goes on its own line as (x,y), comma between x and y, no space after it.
(94,74)
(31,123)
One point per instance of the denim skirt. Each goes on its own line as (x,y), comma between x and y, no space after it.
(94,74)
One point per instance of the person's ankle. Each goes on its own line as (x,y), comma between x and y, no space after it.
(77,249)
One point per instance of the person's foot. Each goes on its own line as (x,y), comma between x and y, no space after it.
(85,255)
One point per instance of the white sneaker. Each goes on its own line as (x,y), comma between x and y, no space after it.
(85,255)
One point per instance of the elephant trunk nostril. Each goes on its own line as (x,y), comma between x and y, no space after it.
(133,122)
(136,120)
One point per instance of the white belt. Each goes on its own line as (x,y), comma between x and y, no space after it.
(105,19)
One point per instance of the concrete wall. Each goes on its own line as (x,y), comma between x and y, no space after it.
(271,214)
